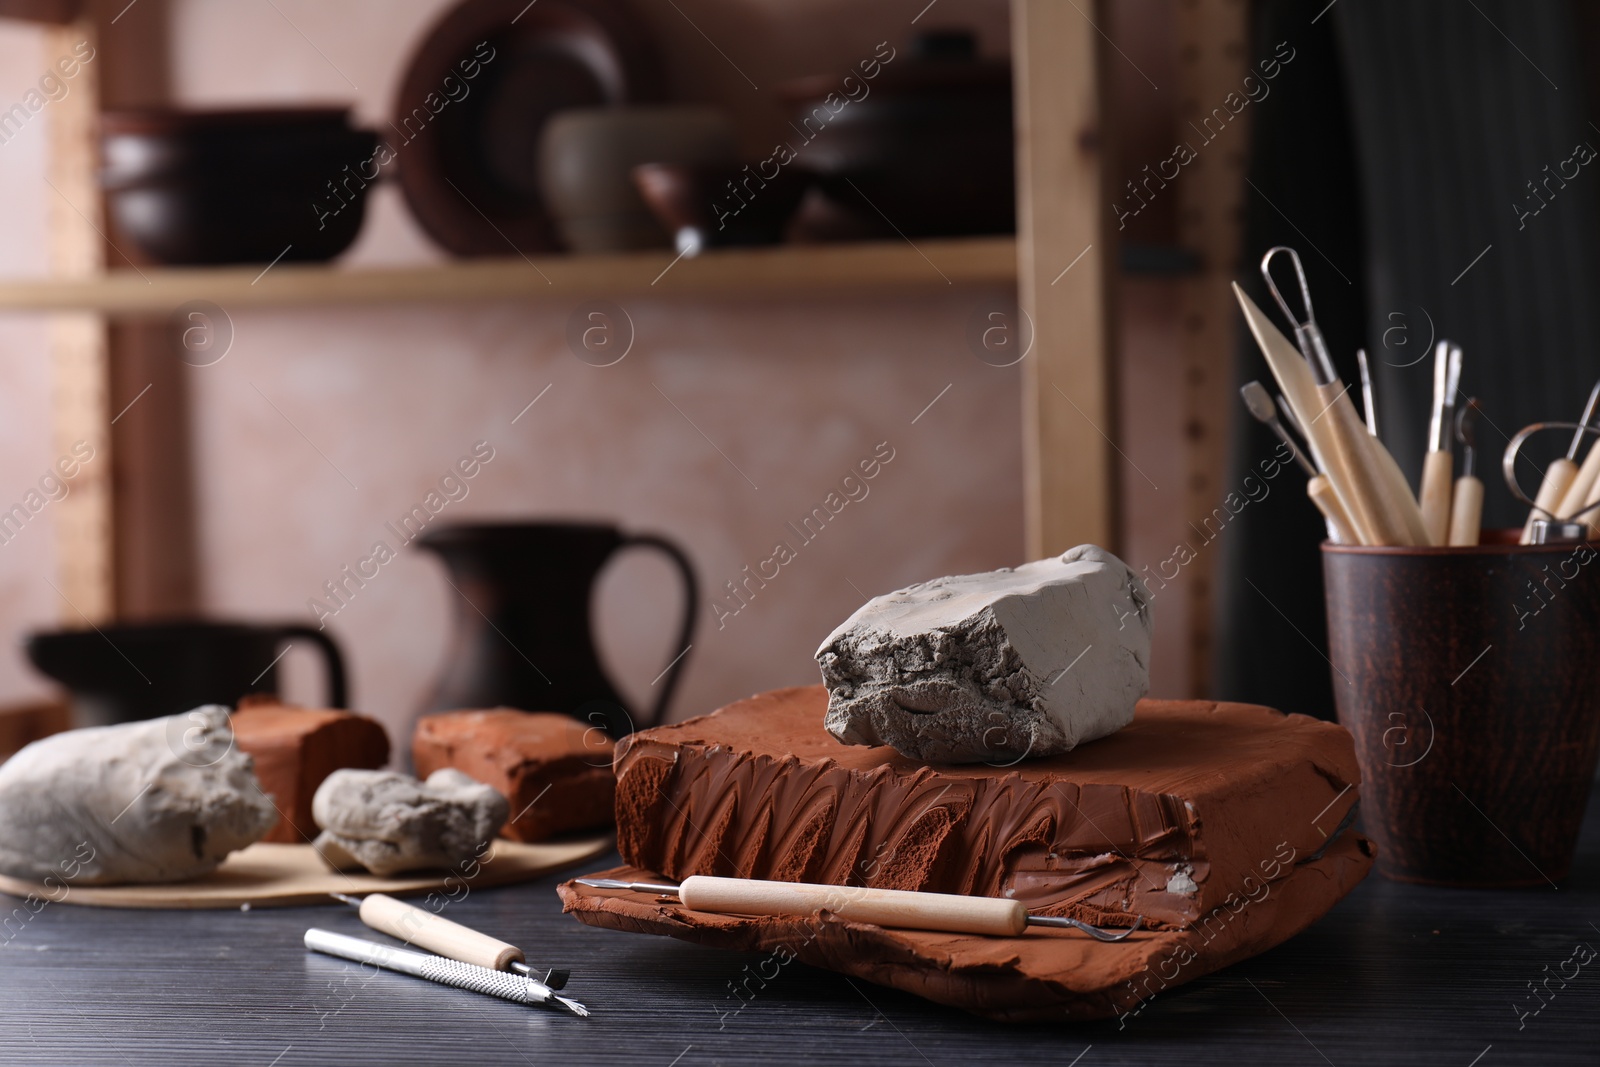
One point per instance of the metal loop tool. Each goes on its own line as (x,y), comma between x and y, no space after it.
(1554,527)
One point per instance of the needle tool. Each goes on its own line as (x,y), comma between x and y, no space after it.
(899,908)
(427,930)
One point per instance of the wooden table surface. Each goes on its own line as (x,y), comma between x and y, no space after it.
(1394,975)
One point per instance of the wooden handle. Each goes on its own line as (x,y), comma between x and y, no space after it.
(1438,468)
(1578,492)
(1372,501)
(426,930)
(884,907)
(1402,501)
(1466,511)
(1320,490)
(1558,478)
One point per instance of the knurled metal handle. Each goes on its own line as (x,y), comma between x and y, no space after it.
(479,979)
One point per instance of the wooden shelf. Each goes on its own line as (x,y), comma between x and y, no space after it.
(787,270)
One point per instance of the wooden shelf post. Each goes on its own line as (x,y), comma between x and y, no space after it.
(1065,256)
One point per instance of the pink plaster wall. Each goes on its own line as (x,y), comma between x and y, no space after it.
(28,560)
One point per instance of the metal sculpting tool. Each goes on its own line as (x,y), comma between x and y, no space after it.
(439,969)
(1571,522)
(1438,466)
(1318,488)
(1370,487)
(1466,505)
(427,930)
(1562,477)
(1368,400)
(899,908)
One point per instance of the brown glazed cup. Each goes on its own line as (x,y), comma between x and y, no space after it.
(1470,678)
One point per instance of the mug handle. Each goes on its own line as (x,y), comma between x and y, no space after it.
(338,696)
(691,607)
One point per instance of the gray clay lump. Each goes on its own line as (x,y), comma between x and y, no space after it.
(161,800)
(387,823)
(994,667)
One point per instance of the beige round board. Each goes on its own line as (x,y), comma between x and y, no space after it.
(269,875)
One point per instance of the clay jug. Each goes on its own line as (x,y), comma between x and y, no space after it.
(523,635)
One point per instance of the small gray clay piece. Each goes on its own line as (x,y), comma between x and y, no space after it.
(387,823)
(161,800)
(1026,661)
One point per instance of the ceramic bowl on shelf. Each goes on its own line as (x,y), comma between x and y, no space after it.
(586,161)
(238,185)
(708,207)
(927,143)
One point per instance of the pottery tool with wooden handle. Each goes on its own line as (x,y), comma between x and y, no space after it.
(1394,478)
(1466,503)
(435,933)
(1318,488)
(897,908)
(1566,525)
(1356,463)
(439,969)
(1300,393)
(1438,466)
(1563,473)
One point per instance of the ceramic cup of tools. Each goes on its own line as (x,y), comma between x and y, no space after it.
(1470,678)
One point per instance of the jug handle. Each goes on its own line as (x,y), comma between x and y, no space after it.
(691,608)
(338,696)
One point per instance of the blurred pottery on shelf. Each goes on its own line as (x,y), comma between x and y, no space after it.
(120,673)
(236,186)
(586,161)
(706,207)
(476,96)
(925,144)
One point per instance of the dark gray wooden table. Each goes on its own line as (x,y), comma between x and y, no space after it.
(1394,975)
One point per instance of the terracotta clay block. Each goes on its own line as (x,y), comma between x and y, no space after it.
(296,748)
(555,770)
(1165,818)
(1225,825)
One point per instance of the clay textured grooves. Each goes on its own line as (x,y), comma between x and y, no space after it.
(1189,792)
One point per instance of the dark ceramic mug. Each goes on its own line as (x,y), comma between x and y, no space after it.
(120,673)
(1470,678)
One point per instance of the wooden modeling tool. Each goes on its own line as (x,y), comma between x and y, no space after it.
(1562,473)
(437,934)
(1438,466)
(449,972)
(1466,506)
(1318,488)
(897,908)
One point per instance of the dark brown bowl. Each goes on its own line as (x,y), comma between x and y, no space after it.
(1470,678)
(723,205)
(236,186)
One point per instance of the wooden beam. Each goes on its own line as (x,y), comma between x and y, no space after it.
(1065,256)
(78,340)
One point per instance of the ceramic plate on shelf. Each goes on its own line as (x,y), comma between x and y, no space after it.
(475,97)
